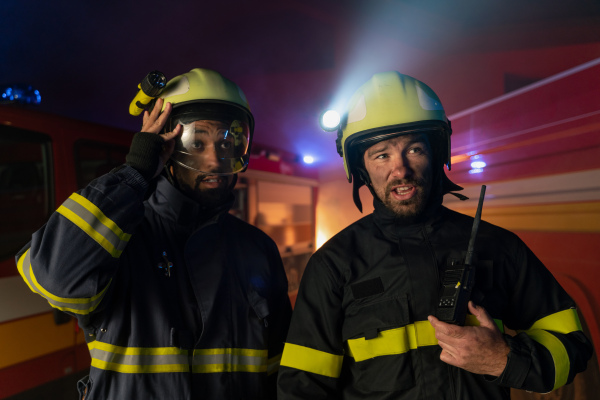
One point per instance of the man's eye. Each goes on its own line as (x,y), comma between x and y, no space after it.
(226,145)
(197,144)
(416,150)
(381,156)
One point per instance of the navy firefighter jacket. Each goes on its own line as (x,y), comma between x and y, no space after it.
(174,303)
(360,328)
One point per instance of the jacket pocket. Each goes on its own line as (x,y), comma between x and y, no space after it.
(378,337)
(260,305)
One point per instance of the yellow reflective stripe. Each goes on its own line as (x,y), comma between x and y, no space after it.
(75,305)
(136,351)
(400,340)
(563,322)
(138,369)
(311,360)
(234,351)
(172,359)
(23,266)
(229,360)
(114,249)
(131,360)
(472,320)
(213,368)
(393,341)
(273,364)
(562,364)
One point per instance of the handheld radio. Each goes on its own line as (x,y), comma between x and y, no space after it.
(459,280)
(151,87)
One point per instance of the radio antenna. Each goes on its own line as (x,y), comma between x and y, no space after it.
(475,227)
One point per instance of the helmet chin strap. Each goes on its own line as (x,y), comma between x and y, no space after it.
(233,182)
(169,174)
(361,178)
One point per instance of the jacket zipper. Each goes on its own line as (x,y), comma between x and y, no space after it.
(453,388)
(191,373)
(452,382)
(432,252)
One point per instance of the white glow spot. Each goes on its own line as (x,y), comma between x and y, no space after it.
(308,159)
(478,164)
(330,119)
(321,238)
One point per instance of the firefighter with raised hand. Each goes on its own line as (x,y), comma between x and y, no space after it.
(177,298)
(364,324)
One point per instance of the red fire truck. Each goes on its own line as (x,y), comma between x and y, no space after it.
(537,150)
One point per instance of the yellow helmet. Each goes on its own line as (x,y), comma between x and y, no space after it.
(203,94)
(391,104)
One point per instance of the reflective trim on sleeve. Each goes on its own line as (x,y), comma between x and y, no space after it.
(311,360)
(95,224)
(559,354)
(273,364)
(229,360)
(400,340)
(75,305)
(563,322)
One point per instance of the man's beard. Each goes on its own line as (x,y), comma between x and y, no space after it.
(407,211)
(212,197)
(207,198)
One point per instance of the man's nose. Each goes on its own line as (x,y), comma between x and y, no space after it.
(400,167)
(210,161)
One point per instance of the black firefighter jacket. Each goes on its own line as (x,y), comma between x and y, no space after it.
(173,305)
(360,329)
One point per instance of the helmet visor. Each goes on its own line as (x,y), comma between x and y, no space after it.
(213,147)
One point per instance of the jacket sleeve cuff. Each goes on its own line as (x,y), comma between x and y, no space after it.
(144,153)
(132,178)
(517,365)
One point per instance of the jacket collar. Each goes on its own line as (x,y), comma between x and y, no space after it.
(175,206)
(394,228)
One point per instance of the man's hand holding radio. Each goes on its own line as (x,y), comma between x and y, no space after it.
(477,349)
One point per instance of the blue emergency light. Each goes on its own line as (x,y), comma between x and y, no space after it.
(24,94)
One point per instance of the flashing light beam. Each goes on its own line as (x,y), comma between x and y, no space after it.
(478,164)
(329,120)
(308,159)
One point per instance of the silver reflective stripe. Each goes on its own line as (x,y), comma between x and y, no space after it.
(171,359)
(96,224)
(273,364)
(138,359)
(229,360)
(74,305)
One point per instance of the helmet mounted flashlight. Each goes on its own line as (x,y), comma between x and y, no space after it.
(150,88)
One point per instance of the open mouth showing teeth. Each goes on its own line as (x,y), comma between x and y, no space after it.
(403,190)
(211,180)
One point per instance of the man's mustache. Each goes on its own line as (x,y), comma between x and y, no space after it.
(408,182)
(201,177)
